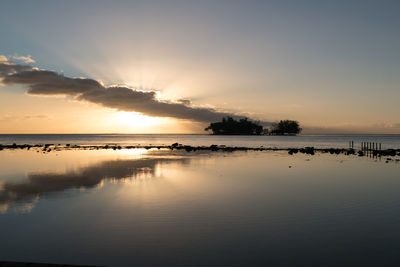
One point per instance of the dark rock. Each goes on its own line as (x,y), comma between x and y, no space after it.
(174,145)
(188,148)
(308,150)
(214,148)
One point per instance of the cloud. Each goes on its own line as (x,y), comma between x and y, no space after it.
(3,59)
(13,118)
(26,59)
(7,67)
(43,82)
(28,117)
(385,125)
(121,98)
(187,102)
(371,128)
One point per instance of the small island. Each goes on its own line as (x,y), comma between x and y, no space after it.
(230,126)
(286,127)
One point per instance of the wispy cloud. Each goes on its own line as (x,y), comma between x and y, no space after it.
(25,59)
(8,118)
(349,128)
(121,98)
(3,59)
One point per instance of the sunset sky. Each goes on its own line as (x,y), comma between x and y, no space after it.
(174,66)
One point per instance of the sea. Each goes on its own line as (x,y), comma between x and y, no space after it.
(162,207)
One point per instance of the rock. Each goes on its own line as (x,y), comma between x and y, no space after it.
(213,147)
(308,150)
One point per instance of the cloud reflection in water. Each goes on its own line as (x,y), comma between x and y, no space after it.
(40,184)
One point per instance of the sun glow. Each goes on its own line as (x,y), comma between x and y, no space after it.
(136,120)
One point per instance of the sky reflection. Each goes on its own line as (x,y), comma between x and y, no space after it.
(198,209)
(41,184)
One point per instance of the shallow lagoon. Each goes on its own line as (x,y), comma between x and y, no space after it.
(161,207)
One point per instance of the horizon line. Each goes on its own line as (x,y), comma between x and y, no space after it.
(307,134)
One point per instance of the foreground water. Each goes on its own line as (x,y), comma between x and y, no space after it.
(317,141)
(159,208)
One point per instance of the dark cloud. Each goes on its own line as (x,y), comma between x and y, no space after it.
(187,102)
(7,68)
(126,99)
(44,82)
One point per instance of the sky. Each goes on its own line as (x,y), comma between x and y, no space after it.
(174,66)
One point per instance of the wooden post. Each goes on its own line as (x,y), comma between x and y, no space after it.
(373,148)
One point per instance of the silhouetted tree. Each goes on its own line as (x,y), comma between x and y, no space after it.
(229,126)
(286,127)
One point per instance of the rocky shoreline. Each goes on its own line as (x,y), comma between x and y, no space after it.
(45,148)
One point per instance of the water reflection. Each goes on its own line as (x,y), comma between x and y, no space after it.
(41,184)
(218,209)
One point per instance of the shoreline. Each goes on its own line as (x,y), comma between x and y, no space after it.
(45,148)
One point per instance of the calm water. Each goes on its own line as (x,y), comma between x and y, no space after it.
(318,141)
(161,208)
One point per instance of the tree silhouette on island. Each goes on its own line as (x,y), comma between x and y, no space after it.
(230,126)
(286,127)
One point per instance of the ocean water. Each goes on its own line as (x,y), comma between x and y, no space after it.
(317,141)
(142,207)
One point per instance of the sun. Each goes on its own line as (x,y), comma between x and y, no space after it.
(134,119)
